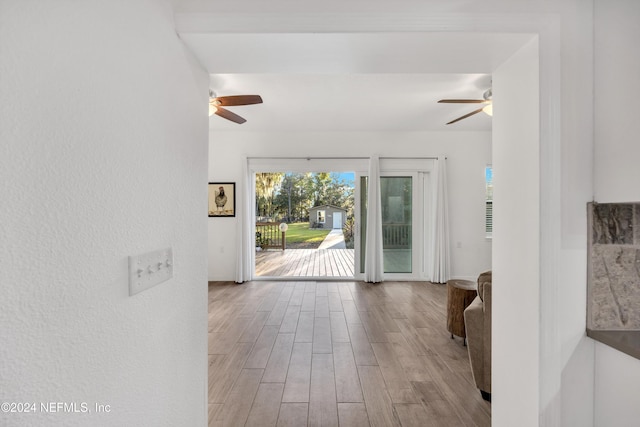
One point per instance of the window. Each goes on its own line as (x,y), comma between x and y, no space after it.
(321,217)
(488,217)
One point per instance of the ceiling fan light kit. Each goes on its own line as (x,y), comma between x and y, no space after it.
(216,104)
(487,109)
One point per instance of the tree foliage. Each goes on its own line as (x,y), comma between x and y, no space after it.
(266,185)
(295,193)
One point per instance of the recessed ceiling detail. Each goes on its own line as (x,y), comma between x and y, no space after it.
(352,102)
(353,81)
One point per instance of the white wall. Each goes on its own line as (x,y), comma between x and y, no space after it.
(617,390)
(617,87)
(576,179)
(467,155)
(104,150)
(516,232)
(617,175)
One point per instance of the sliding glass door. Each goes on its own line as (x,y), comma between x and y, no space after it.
(396,196)
(400,216)
(406,205)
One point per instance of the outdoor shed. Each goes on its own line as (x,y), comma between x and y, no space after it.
(327,216)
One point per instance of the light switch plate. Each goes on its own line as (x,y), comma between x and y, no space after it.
(150,269)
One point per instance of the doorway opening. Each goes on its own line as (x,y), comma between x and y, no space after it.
(304,224)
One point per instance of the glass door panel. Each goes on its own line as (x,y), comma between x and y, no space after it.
(396,195)
(364,189)
(397,206)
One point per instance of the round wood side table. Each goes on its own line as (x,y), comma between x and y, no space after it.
(460,293)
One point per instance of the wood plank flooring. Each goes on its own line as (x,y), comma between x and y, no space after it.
(305,263)
(337,354)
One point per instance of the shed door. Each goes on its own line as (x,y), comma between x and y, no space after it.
(337,220)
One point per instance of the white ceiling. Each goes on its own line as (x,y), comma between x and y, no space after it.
(352,81)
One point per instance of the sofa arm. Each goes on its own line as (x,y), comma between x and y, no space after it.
(474,322)
(487,300)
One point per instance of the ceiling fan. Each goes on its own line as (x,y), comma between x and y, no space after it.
(487,108)
(216,104)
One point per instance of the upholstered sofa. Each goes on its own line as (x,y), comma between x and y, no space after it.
(477,321)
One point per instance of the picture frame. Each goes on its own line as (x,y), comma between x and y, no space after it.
(222,199)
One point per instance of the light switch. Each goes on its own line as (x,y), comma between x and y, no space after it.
(150,269)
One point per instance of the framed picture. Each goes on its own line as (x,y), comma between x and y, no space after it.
(222,199)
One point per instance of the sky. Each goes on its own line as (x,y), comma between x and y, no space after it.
(488,171)
(348,177)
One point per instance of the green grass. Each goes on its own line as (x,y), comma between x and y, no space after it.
(300,233)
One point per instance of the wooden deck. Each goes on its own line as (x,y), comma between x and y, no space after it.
(305,263)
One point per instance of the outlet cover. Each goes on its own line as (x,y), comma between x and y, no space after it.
(150,269)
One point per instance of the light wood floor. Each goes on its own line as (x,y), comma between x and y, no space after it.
(342,353)
(305,263)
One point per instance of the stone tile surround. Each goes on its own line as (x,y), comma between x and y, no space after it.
(613,278)
(614,266)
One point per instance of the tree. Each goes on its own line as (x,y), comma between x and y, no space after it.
(266,184)
(321,181)
(297,192)
(293,197)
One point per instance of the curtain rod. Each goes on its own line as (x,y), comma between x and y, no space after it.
(340,158)
(412,158)
(307,158)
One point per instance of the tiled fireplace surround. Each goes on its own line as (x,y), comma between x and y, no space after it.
(613,295)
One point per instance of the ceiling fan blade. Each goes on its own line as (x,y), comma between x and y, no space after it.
(464,101)
(230,101)
(229,115)
(466,115)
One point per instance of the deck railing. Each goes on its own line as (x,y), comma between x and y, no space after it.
(269,236)
(396,236)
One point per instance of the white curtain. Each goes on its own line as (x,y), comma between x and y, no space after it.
(441,266)
(246,244)
(373,262)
